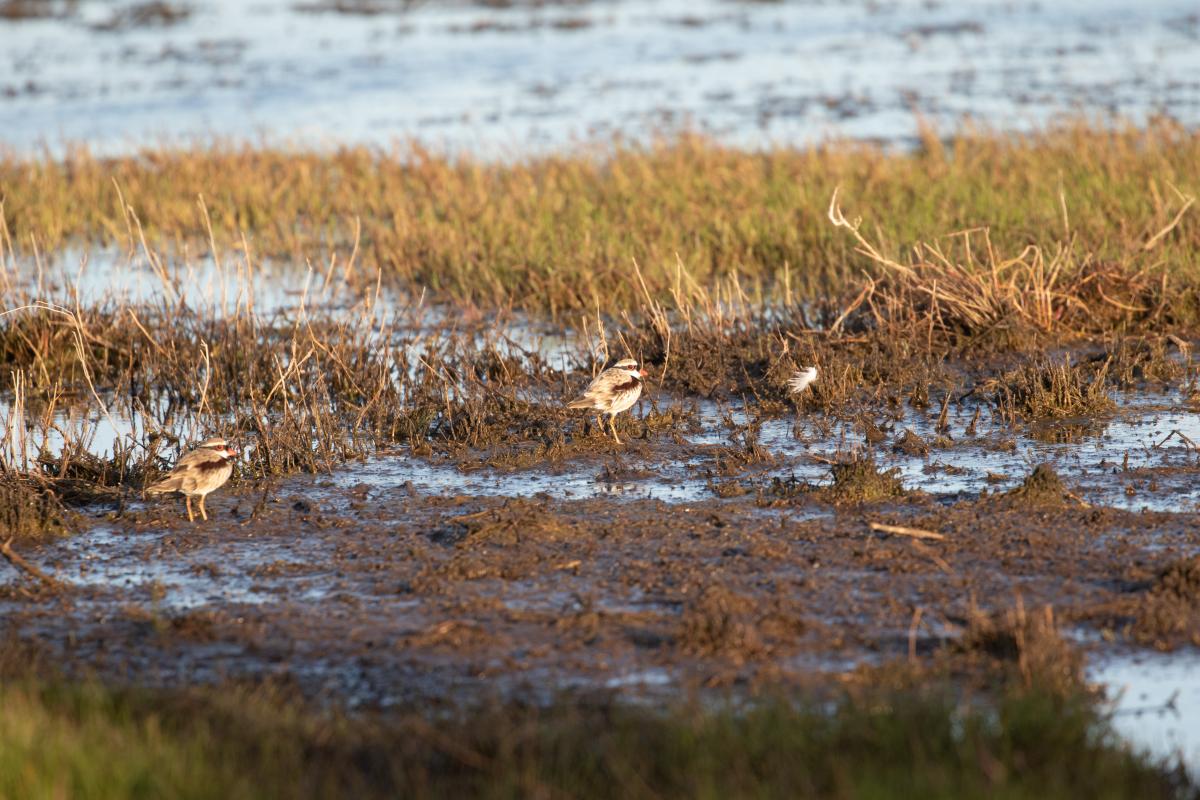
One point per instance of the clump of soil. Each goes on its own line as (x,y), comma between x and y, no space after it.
(1031,643)
(35,9)
(1180,581)
(516,521)
(29,510)
(1169,613)
(733,460)
(619,472)
(1138,360)
(911,444)
(872,433)
(785,489)
(721,622)
(861,481)
(1040,487)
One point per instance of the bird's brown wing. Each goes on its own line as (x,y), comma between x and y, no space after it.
(185,471)
(600,389)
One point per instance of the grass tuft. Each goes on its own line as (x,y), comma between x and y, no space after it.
(859,480)
(1046,388)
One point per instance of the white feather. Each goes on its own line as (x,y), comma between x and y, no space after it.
(802,380)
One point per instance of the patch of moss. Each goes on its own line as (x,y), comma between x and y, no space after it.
(861,481)
(1040,487)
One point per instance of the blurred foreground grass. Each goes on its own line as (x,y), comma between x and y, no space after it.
(83,741)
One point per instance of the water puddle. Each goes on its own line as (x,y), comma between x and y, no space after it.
(1156,702)
(147,567)
(572,483)
(109,277)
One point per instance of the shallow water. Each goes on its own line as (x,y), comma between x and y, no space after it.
(1156,702)
(1158,475)
(223,286)
(106,559)
(507,82)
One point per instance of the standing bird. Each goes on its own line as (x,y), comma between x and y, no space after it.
(199,472)
(802,379)
(612,391)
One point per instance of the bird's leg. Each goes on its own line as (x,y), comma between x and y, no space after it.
(202,507)
(188,499)
(600,422)
(612,425)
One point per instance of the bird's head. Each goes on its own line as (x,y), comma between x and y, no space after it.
(220,447)
(630,365)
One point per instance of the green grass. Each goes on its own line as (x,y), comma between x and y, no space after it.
(81,741)
(560,233)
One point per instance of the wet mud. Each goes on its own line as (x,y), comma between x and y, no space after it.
(666,565)
(417,519)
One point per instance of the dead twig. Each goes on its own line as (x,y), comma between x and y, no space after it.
(943,418)
(912,634)
(942,564)
(1177,432)
(20,563)
(1158,237)
(1184,346)
(900,530)
(1077,498)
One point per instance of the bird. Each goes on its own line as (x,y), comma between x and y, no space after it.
(614,390)
(802,379)
(199,472)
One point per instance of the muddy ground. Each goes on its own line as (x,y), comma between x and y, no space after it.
(378,592)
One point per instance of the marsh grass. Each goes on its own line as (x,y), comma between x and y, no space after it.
(967,295)
(1046,231)
(301,389)
(1136,361)
(721,270)
(1045,387)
